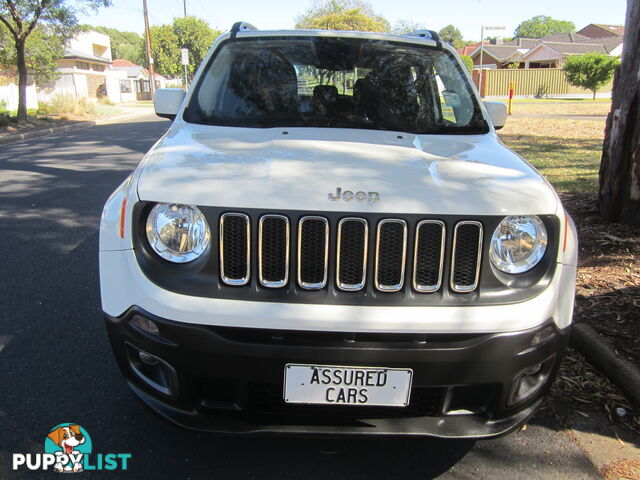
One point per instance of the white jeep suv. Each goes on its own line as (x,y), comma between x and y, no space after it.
(331,238)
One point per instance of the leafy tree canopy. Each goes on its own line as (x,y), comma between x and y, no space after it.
(166,52)
(541,26)
(195,35)
(451,35)
(42,49)
(167,40)
(127,45)
(342,15)
(590,71)
(468,62)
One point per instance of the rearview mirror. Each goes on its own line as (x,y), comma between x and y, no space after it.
(497,113)
(167,102)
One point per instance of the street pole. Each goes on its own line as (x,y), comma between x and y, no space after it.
(482,29)
(184,5)
(481,54)
(152,81)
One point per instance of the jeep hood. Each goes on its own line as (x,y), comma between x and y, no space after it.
(297,169)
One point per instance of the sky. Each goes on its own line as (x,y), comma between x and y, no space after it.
(466,15)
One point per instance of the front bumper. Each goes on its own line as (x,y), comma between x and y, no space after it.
(227,379)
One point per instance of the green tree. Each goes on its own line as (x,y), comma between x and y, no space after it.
(191,33)
(342,15)
(541,26)
(590,71)
(195,35)
(42,49)
(451,35)
(55,17)
(468,62)
(127,45)
(166,51)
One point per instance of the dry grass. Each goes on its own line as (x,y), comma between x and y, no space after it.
(565,150)
(587,108)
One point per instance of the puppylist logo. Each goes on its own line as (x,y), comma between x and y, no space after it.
(68,449)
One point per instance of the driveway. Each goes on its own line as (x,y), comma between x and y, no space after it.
(57,366)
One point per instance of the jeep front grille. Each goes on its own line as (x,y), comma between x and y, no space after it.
(273,251)
(351,265)
(339,251)
(235,248)
(313,252)
(391,254)
(428,255)
(467,251)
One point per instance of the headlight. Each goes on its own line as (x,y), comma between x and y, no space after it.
(178,233)
(518,244)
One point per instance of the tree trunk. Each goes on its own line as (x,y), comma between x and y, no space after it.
(619,195)
(22,80)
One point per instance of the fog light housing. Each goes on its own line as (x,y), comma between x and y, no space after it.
(145,325)
(153,371)
(148,359)
(530,381)
(543,335)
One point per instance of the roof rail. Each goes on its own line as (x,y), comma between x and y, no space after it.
(425,34)
(241,27)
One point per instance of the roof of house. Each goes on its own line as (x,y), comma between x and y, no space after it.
(565,37)
(121,62)
(73,54)
(613,29)
(468,49)
(502,53)
(569,48)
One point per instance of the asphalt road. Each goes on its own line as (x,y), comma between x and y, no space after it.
(56,364)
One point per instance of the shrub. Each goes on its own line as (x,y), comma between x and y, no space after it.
(590,71)
(68,104)
(468,62)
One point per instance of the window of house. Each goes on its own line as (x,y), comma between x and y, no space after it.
(82,65)
(97,67)
(125,86)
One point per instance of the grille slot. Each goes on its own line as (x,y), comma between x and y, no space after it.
(467,249)
(313,252)
(351,269)
(273,251)
(391,253)
(235,248)
(428,256)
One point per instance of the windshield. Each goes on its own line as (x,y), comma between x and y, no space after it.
(335,82)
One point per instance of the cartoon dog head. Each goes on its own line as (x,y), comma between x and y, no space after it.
(67,437)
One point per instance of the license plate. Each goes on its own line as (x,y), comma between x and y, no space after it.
(334,385)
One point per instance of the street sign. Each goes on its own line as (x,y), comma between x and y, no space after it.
(184,53)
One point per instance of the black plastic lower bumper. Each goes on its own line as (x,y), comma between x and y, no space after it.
(225,379)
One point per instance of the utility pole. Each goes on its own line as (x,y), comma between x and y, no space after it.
(152,81)
(184,6)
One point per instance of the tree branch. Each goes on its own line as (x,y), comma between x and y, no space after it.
(16,16)
(36,16)
(9,26)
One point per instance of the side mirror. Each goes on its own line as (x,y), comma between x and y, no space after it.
(497,113)
(167,102)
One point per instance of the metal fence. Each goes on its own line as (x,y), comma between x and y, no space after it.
(529,81)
